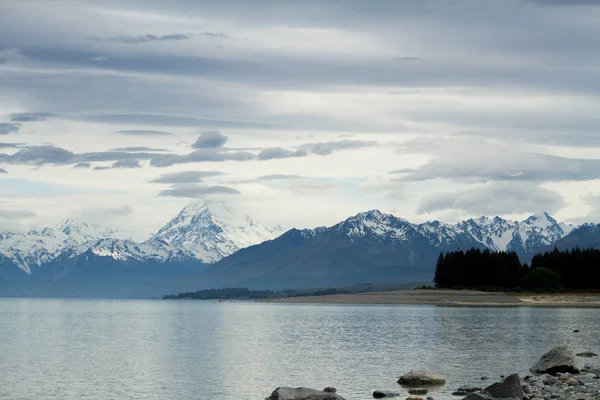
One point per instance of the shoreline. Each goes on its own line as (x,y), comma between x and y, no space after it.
(450,298)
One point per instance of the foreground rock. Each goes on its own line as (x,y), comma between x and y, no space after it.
(564,387)
(557,360)
(422,378)
(380,394)
(509,387)
(286,393)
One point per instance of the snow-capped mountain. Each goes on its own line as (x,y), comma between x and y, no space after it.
(35,248)
(209,231)
(498,234)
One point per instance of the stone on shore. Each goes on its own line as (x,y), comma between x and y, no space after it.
(422,378)
(509,387)
(380,394)
(557,360)
(417,391)
(330,389)
(286,393)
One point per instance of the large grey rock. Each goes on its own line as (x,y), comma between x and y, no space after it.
(509,387)
(587,354)
(477,396)
(422,378)
(380,394)
(557,360)
(286,393)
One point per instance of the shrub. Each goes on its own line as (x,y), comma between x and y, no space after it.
(541,278)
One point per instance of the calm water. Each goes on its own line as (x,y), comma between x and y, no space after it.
(96,349)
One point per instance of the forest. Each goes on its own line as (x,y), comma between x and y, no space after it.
(475,268)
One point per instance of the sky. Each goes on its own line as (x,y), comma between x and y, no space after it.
(300,113)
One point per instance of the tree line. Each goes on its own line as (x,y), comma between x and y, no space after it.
(475,268)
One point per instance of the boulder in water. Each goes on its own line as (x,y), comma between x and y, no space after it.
(422,378)
(417,391)
(557,360)
(286,393)
(587,354)
(380,394)
(509,387)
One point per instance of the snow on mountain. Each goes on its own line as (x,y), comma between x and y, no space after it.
(209,231)
(34,248)
(375,224)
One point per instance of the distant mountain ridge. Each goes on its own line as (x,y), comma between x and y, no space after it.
(210,244)
(374,247)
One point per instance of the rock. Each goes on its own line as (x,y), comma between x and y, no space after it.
(510,387)
(459,393)
(286,393)
(421,378)
(380,394)
(484,378)
(417,391)
(576,331)
(587,354)
(572,382)
(430,398)
(469,389)
(413,398)
(559,359)
(477,396)
(330,389)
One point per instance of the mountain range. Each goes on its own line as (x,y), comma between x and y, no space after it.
(210,244)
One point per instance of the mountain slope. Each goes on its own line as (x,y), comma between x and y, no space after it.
(372,247)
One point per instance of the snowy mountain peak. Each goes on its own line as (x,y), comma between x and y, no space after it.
(211,230)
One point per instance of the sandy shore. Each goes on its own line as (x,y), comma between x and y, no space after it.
(451,298)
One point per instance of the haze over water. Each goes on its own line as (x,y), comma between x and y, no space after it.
(98,349)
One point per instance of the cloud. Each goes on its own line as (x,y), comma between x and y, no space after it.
(40,155)
(29,117)
(101,168)
(186,177)
(279,177)
(567,3)
(494,198)
(126,164)
(136,132)
(88,214)
(474,159)
(16,214)
(195,190)
(272,153)
(201,155)
(7,127)
(11,145)
(83,165)
(10,55)
(408,59)
(326,148)
(214,34)
(144,38)
(210,139)
(3,171)
(135,149)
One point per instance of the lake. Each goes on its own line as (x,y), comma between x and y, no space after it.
(99,349)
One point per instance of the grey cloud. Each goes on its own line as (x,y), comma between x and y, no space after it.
(272,153)
(279,177)
(200,155)
(326,148)
(83,165)
(40,155)
(144,38)
(16,214)
(126,164)
(11,145)
(214,34)
(135,149)
(473,159)
(29,117)
(3,171)
(195,190)
(408,59)
(101,168)
(144,133)
(493,199)
(186,177)
(210,139)
(7,127)
(567,3)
